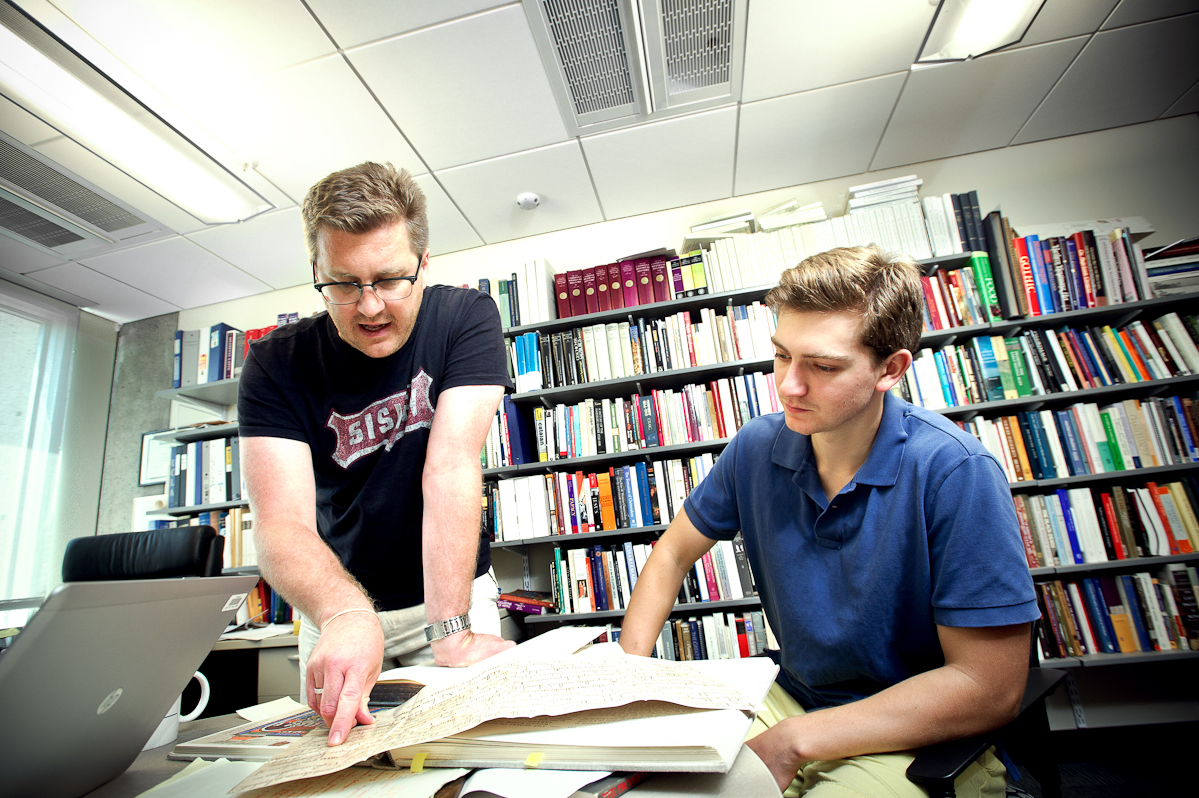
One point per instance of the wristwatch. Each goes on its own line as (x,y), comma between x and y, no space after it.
(439,629)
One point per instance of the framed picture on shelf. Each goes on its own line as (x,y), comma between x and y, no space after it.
(155,460)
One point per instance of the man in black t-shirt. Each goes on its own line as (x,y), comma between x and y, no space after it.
(361,430)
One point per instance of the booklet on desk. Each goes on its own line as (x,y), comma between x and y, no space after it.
(625,695)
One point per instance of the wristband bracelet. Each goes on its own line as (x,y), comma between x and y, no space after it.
(337,615)
(442,629)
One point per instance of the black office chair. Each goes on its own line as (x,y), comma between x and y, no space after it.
(157,554)
(1026,739)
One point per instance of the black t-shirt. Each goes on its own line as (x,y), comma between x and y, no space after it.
(366,421)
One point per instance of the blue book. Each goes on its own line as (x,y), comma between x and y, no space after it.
(1071,531)
(647,515)
(630,494)
(1031,445)
(1071,444)
(595,559)
(1186,432)
(630,562)
(520,434)
(1040,278)
(943,376)
(755,408)
(1133,605)
(1100,620)
(1048,466)
(216,351)
(177,360)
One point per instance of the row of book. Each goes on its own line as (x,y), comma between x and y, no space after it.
(1174,269)
(235,525)
(694,412)
(961,296)
(208,355)
(955,224)
(617,350)
(1120,614)
(569,503)
(1118,522)
(630,282)
(264,605)
(716,635)
(599,578)
(1089,438)
(1039,361)
(525,298)
(205,472)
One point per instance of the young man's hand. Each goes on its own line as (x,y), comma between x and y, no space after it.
(343,667)
(776,750)
(467,648)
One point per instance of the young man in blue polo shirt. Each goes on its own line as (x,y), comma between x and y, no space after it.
(883,539)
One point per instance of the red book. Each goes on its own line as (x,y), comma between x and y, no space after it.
(645,290)
(561,295)
(574,286)
(1026,279)
(1084,267)
(659,276)
(589,295)
(710,575)
(615,293)
(628,283)
(720,427)
(602,294)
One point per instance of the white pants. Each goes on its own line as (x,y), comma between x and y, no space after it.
(404,630)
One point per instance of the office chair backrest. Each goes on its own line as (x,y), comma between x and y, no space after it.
(159,553)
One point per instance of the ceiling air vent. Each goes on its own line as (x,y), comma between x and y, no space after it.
(41,204)
(613,63)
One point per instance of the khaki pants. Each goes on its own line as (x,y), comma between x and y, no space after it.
(870,775)
(404,630)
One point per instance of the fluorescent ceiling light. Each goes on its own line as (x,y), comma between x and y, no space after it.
(964,29)
(51,81)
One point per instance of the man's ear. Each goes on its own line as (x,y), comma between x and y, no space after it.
(893,369)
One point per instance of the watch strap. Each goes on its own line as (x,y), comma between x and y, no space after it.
(440,629)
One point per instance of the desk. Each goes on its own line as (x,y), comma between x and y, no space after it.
(748,778)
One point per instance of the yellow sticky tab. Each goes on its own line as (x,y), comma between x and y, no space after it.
(534,759)
(418,762)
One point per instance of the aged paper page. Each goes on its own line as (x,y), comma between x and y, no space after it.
(515,689)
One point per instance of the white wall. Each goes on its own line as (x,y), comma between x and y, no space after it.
(1149,170)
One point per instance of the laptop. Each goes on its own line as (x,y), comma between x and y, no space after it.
(88,680)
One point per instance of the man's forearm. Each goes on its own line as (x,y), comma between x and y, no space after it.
(306,573)
(653,598)
(450,538)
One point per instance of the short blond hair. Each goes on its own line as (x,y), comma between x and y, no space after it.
(364,198)
(884,288)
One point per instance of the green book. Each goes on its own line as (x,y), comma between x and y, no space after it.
(1113,448)
(1015,356)
(980,265)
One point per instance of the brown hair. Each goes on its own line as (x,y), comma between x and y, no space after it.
(884,288)
(364,198)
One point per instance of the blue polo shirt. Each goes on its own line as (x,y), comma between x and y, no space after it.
(924,535)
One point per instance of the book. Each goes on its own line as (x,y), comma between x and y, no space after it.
(256,741)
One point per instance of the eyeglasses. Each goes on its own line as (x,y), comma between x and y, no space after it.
(389,290)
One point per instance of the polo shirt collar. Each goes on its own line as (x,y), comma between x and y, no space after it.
(793,451)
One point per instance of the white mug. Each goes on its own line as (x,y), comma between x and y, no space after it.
(168,729)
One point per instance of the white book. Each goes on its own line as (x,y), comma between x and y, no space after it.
(509,526)
(539,504)
(1175,353)
(1086,523)
(603,360)
(1159,543)
(1093,432)
(1058,519)
(1084,625)
(955,237)
(1182,341)
(1155,362)
(1153,612)
(524,287)
(590,361)
(624,346)
(613,346)
(1056,348)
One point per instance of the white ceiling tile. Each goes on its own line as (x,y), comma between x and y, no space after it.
(665,164)
(304,123)
(269,247)
(22,125)
(951,109)
(788,141)
(1131,12)
(481,91)
(1122,77)
(1187,103)
(486,192)
(179,272)
(448,229)
(1061,19)
(94,169)
(21,258)
(112,299)
(199,52)
(796,45)
(363,21)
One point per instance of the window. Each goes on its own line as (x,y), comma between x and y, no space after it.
(37,337)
